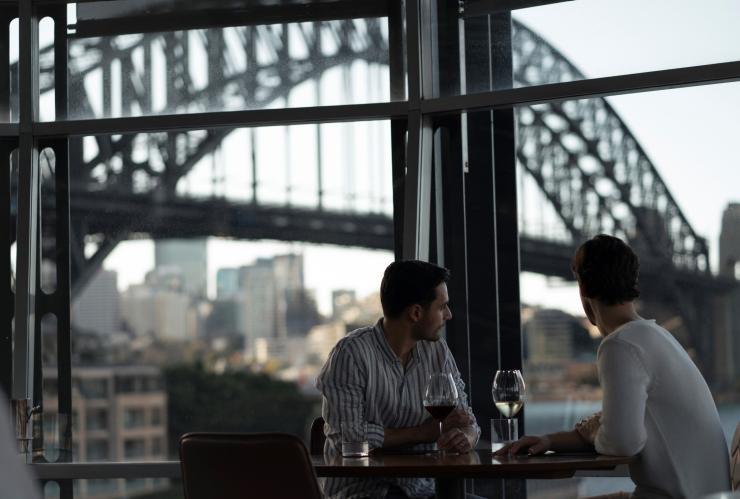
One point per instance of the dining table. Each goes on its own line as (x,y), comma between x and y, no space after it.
(451,470)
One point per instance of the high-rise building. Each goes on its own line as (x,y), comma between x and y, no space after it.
(96,309)
(275,304)
(227,283)
(160,307)
(260,303)
(190,257)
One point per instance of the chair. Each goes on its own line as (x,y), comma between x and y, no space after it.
(735,460)
(317,439)
(241,465)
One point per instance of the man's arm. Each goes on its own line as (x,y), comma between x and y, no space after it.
(342,383)
(425,433)
(460,431)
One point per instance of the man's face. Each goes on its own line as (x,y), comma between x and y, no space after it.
(430,320)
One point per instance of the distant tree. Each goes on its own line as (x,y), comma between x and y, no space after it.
(200,400)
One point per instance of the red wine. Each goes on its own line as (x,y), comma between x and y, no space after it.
(439,412)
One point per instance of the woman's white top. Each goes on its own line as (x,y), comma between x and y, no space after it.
(657,405)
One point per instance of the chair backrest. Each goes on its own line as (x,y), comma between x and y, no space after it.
(735,459)
(318,438)
(240,465)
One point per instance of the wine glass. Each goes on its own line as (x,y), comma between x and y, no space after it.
(440,396)
(508,392)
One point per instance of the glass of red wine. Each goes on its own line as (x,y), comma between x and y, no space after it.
(440,396)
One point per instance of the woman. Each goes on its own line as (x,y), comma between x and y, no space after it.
(656,405)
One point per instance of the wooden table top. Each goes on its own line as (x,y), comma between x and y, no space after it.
(477,464)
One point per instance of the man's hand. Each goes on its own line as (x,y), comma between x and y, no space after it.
(458,418)
(457,440)
(530,445)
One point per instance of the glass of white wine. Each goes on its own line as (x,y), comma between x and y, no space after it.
(508,395)
(508,392)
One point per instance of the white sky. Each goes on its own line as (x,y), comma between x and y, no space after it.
(690,134)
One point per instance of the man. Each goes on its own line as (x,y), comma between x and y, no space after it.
(378,374)
(656,405)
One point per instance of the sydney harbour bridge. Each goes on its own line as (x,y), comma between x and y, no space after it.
(589,169)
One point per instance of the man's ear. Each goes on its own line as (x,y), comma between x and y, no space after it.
(415,312)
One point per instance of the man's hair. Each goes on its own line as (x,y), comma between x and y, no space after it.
(410,282)
(607,270)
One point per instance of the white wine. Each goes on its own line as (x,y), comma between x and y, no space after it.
(509,409)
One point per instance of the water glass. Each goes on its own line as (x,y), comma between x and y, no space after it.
(354,439)
(503,432)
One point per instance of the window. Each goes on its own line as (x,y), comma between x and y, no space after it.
(134,418)
(156,417)
(125,384)
(94,388)
(236,186)
(157,447)
(97,450)
(96,419)
(134,448)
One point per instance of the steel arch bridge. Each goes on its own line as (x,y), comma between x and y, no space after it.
(583,158)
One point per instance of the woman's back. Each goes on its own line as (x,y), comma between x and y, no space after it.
(648,378)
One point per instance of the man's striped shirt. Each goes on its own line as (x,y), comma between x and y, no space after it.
(363,380)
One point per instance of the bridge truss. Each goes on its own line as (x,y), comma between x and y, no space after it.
(582,156)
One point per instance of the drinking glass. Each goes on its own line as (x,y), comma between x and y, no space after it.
(503,431)
(508,392)
(354,439)
(440,396)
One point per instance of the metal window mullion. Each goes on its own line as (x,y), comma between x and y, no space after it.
(399,126)
(224,119)
(418,180)
(708,74)
(484,7)
(417,195)
(6,343)
(413,53)
(28,197)
(7,13)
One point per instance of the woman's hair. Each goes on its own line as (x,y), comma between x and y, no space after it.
(607,270)
(410,282)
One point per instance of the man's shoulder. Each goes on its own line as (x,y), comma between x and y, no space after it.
(357,338)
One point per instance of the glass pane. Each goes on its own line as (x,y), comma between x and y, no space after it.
(9,47)
(220,268)
(567,41)
(630,166)
(227,69)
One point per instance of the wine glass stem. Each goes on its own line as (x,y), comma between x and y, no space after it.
(440,435)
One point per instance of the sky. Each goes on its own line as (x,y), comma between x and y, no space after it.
(689,134)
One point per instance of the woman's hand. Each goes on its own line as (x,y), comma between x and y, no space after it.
(532,445)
